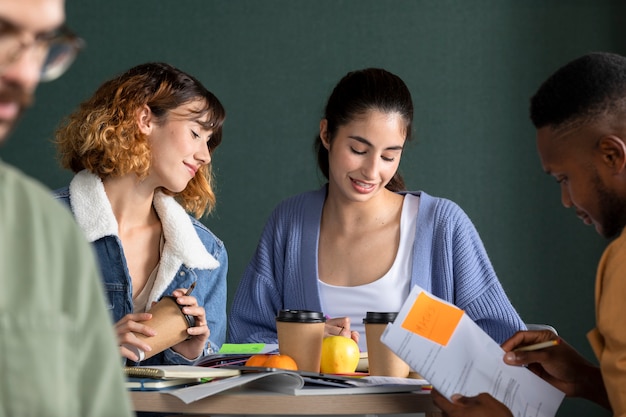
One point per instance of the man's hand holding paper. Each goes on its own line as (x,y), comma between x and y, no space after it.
(448,349)
(562,366)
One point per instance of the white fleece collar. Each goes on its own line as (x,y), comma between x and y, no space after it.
(94,214)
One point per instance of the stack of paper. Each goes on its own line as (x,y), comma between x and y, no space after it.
(300,383)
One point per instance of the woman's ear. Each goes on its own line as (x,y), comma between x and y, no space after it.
(324,133)
(613,151)
(145,120)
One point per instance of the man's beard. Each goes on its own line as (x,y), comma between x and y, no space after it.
(23,99)
(612,209)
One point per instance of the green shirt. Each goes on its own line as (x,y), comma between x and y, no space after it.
(58,352)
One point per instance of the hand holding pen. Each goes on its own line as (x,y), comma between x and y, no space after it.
(554,360)
(199,333)
(340,326)
(538,346)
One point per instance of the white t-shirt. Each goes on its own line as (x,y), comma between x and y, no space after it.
(386,293)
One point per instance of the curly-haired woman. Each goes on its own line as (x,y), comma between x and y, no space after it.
(141,150)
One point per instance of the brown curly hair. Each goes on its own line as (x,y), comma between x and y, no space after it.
(103,137)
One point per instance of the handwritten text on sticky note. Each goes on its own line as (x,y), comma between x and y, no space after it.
(432,319)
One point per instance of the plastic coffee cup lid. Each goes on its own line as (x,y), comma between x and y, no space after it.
(375,317)
(301,316)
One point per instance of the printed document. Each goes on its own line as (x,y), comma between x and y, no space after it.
(441,343)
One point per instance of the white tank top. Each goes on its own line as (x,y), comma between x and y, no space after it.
(386,293)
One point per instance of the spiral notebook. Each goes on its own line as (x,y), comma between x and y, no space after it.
(178,371)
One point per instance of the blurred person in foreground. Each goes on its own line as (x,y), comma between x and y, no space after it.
(580,116)
(53,320)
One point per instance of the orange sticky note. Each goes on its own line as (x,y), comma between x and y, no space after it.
(432,319)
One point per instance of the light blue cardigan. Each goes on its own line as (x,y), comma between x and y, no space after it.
(449,260)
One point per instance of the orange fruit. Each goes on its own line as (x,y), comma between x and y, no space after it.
(281,361)
(256,360)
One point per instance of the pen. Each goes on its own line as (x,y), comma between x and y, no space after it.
(538,346)
(191,287)
(340,327)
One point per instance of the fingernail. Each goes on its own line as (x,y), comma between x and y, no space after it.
(509,356)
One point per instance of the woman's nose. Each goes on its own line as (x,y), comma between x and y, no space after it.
(203,155)
(370,168)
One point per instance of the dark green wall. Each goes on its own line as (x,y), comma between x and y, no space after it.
(471,66)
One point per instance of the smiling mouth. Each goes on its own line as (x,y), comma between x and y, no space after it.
(9,110)
(362,184)
(192,168)
(585,218)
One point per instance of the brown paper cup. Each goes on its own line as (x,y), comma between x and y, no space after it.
(300,334)
(381,360)
(170,324)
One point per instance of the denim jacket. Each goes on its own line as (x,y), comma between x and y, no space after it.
(191,253)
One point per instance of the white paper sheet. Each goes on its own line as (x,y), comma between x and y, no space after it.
(458,357)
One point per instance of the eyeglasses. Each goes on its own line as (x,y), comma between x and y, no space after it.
(57,49)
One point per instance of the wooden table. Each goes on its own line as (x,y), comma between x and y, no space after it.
(249,401)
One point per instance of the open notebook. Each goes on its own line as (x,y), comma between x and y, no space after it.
(300,383)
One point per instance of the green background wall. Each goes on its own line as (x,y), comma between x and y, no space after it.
(470,64)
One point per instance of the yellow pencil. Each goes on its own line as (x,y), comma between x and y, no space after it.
(538,346)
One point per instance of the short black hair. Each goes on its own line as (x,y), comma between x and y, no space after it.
(581,91)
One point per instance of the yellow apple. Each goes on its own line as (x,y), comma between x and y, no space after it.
(340,355)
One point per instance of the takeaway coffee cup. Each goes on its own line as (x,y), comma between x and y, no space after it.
(170,324)
(381,360)
(300,334)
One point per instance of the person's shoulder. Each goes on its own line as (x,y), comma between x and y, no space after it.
(13,178)
(206,236)
(616,247)
(441,206)
(37,206)
(26,190)
(61,193)
(199,226)
(426,198)
(303,199)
